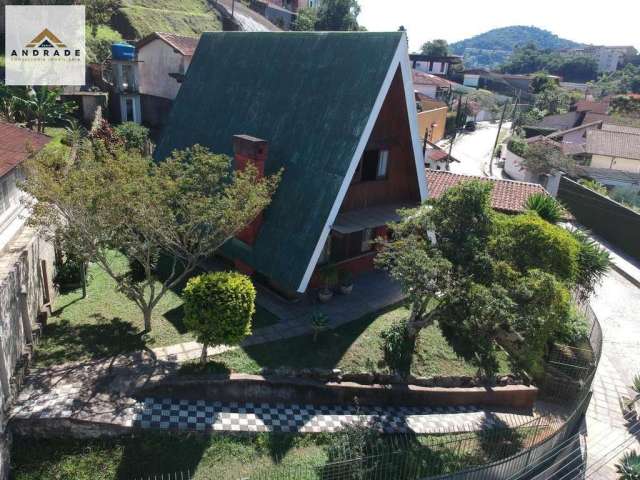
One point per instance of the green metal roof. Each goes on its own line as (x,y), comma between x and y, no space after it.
(310,95)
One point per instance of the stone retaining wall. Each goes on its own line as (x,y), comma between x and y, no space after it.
(255,388)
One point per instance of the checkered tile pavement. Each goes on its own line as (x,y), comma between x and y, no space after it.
(199,415)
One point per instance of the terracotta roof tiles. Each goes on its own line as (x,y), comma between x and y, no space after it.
(507,195)
(15,145)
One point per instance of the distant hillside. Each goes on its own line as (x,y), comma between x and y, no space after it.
(137,18)
(492,48)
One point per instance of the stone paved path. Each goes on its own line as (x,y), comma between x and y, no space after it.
(617,305)
(373,291)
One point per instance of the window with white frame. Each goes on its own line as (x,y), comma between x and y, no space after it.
(374,165)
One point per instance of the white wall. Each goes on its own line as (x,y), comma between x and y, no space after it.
(432,67)
(514,168)
(157,61)
(12,210)
(615,163)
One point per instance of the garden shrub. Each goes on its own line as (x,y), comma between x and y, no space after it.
(547,207)
(132,135)
(219,307)
(517,146)
(574,329)
(594,185)
(397,348)
(527,241)
(593,264)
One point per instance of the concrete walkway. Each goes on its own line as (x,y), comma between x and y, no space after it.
(372,292)
(608,434)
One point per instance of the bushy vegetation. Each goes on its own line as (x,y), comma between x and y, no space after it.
(547,207)
(492,277)
(218,308)
(492,48)
(331,15)
(594,185)
(622,81)
(628,468)
(99,42)
(133,135)
(530,58)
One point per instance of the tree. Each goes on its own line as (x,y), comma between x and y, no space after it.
(306,19)
(100,200)
(99,12)
(42,106)
(338,15)
(541,81)
(218,308)
(543,158)
(435,48)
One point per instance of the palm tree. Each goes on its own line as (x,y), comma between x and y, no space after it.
(629,466)
(42,106)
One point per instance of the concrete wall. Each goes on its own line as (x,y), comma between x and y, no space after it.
(158,60)
(615,163)
(427,118)
(513,167)
(22,294)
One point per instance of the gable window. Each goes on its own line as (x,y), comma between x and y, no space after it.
(373,166)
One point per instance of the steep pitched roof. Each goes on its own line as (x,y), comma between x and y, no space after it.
(16,143)
(507,195)
(316,139)
(613,144)
(184,45)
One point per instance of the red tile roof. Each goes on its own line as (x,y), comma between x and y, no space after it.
(592,106)
(421,78)
(16,143)
(185,45)
(507,195)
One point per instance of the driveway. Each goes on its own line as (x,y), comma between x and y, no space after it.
(474,149)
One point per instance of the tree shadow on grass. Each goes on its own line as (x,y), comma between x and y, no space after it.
(175,316)
(497,439)
(65,342)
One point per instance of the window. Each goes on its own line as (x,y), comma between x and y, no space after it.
(367,238)
(373,166)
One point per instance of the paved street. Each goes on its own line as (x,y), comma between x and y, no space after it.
(617,305)
(473,149)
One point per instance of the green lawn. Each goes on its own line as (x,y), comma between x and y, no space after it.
(107,323)
(355,347)
(188,17)
(265,455)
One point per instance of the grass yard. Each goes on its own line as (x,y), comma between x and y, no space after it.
(264,455)
(107,323)
(355,347)
(188,17)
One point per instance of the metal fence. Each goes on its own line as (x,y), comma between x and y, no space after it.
(519,452)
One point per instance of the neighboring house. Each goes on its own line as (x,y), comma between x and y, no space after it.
(349,153)
(522,82)
(507,196)
(514,167)
(293,5)
(553,123)
(593,106)
(26,269)
(431,85)
(436,158)
(441,66)
(615,147)
(163,60)
(574,140)
(503,84)
(432,118)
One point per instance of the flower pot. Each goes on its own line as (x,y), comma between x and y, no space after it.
(325,295)
(346,289)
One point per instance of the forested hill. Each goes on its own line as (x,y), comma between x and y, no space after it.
(492,48)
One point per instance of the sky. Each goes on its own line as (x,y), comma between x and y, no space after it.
(612,22)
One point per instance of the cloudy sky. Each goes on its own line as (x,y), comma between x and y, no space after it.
(612,22)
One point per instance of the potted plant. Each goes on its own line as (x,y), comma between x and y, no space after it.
(328,276)
(346,282)
(319,324)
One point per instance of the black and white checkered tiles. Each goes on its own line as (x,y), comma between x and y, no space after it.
(199,415)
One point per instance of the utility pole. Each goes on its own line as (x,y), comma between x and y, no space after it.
(504,111)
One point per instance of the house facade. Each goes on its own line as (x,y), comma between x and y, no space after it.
(614,147)
(434,65)
(26,270)
(162,62)
(346,169)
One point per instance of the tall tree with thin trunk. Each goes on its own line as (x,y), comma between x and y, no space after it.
(103,200)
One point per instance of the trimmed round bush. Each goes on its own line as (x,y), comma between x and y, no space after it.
(219,308)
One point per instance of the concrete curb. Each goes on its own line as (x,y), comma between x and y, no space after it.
(626,274)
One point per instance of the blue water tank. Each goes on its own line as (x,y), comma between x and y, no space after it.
(123,51)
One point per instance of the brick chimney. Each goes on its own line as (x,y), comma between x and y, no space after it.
(248,149)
